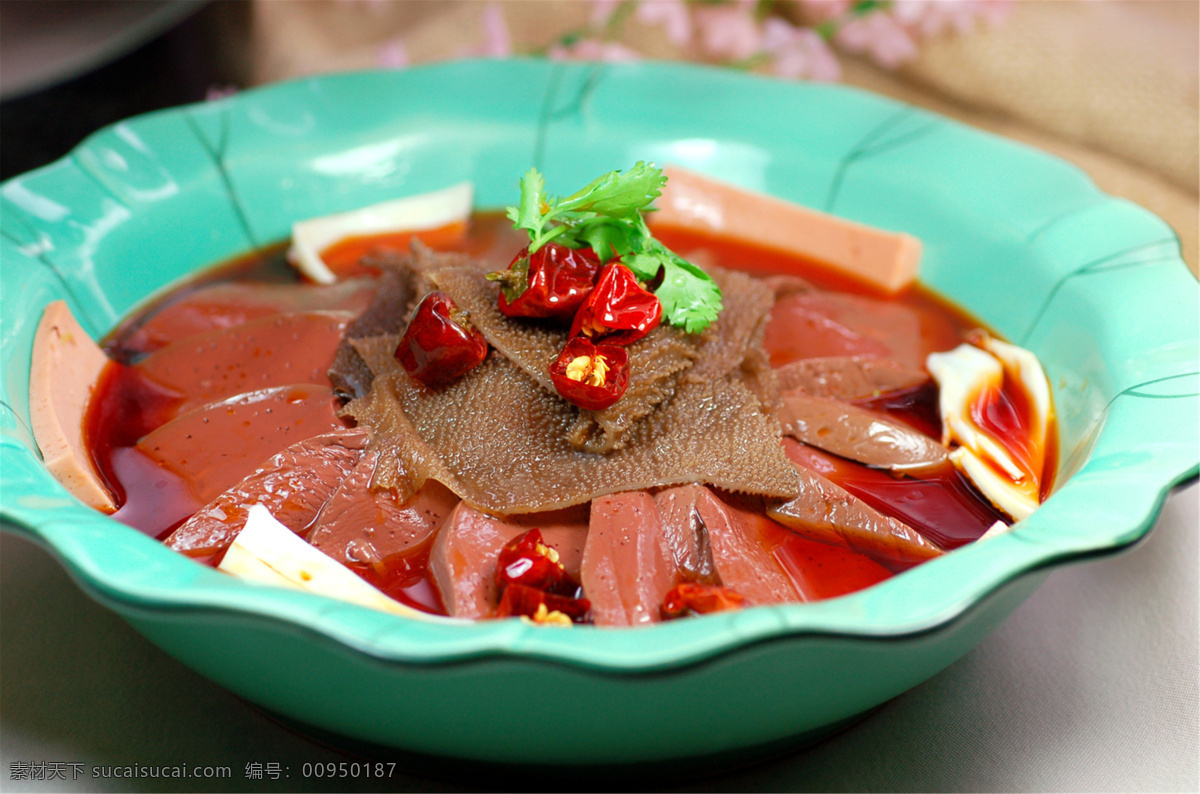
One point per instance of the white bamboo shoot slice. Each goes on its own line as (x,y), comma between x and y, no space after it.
(410,214)
(266,552)
(1008,470)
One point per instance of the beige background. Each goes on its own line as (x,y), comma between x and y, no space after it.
(1110,86)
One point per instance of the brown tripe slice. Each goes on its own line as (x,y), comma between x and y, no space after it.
(497,439)
(530,344)
(655,364)
(733,341)
(387,314)
(785,285)
(425,263)
(746,306)
(406,461)
(654,361)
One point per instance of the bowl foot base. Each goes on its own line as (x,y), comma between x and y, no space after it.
(482,775)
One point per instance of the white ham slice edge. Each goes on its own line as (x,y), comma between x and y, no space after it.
(413,213)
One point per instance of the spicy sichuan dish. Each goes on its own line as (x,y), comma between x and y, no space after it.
(564,414)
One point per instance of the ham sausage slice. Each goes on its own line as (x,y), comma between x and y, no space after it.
(66,366)
(885,260)
(463,559)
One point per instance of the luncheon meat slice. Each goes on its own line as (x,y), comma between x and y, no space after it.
(859,434)
(358,524)
(742,557)
(496,438)
(65,370)
(464,554)
(211,307)
(293,485)
(822,324)
(216,446)
(827,513)
(627,565)
(274,351)
(847,377)
(886,260)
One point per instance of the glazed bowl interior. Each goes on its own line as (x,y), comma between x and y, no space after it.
(1092,284)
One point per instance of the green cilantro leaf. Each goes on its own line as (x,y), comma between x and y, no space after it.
(606,215)
(618,195)
(690,298)
(609,237)
(528,213)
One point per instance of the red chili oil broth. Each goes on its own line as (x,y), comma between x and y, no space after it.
(126,406)
(943,326)
(917,407)
(942,505)
(345,257)
(405,577)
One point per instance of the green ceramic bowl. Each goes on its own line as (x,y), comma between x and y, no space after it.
(1093,284)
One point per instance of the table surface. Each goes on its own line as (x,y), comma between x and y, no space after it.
(1092,684)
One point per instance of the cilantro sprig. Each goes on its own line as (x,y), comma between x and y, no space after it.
(607,216)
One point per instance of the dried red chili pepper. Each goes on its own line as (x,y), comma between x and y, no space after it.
(527,560)
(440,344)
(551,282)
(590,376)
(619,310)
(692,598)
(543,607)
